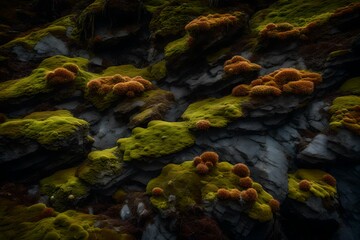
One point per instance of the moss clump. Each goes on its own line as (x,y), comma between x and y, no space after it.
(190,188)
(158,139)
(318,187)
(50,129)
(345,112)
(57,28)
(351,86)
(170,17)
(64,188)
(100,167)
(218,111)
(297,12)
(177,48)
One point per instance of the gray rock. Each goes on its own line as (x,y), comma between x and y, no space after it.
(157,231)
(346,144)
(125,212)
(317,151)
(50,45)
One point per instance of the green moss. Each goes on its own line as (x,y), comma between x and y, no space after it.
(344,102)
(86,20)
(100,166)
(158,139)
(35,84)
(319,188)
(218,111)
(337,54)
(351,86)
(170,17)
(157,71)
(57,28)
(177,47)
(50,129)
(214,57)
(190,188)
(297,12)
(64,188)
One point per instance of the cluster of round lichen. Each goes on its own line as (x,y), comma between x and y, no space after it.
(241,170)
(211,22)
(348,117)
(62,75)
(238,65)
(289,80)
(205,162)
(119,85)
(280,31)
(305,185)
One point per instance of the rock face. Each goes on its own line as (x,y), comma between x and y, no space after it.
(160,84)
(42,141)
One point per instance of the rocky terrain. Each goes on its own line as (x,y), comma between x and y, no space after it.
(179,119)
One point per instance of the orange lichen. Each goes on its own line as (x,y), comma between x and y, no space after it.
(245,182)
(274,205)
(250,195)
(60,76)
(203,124)
(201,168)
(285,75)
(237,65)
(280,31)
(304,185)
(157,192)
(299,87)
(197,160)
(241,90)
(329,179)
(212,157)
(235,194)
(223,194)
(263,90)
(72,67)
(241,170)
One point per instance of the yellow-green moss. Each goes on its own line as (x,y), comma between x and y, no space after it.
(47,128)
(351,86)
(190,188)
(218,111)
(318,188)
(57,28)
(177,47)
(158,139)
(30,223)
(64,188)
(99,166)
(297,12)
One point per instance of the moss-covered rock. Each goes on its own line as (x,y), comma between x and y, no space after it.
(351,86)
(158,139)
(184,187)
(101,167)
(218,111)
(53,130)
(318,186)
(64,189)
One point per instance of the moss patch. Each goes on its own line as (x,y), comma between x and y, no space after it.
(318,188)
(50,129)
(218,111)
(64,188)
(57,28)
(297,12)
(191,188)
(351,86)
(158,139)
(100,167)
(177,47)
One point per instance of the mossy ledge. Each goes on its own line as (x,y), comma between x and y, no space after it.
(158,139)
(185,185)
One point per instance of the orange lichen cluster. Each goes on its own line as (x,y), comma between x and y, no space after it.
(60,77)
(203,125)
(205,162)
(289,80)
(237,65)
(329,179)
(304,185)
(250,195)
(212,23)
(280,31)
(119,85)
(223,194)
(352,8)
(157,192)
